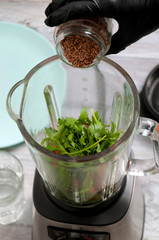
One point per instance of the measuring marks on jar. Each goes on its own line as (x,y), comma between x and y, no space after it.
(85,92)
(90,92)
(93,90)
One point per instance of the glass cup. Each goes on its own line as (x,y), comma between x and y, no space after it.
(82,181)
(11,188)
(71,39)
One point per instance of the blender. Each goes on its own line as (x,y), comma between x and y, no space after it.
(93,197)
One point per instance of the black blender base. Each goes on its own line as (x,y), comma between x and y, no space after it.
(124,219)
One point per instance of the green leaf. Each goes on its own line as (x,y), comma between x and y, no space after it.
(82,141)
(83,115)
(69,122)
(82,136)
(50,132)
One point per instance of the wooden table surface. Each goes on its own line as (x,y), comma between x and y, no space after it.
(138,60)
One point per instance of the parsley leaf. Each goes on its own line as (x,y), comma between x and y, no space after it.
(82,136)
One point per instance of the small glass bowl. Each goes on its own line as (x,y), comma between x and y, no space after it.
(95,31)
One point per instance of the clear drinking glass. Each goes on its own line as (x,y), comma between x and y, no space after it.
(89,180)
(11,188)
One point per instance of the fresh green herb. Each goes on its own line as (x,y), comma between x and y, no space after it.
(82,136)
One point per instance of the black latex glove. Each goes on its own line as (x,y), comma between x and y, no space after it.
(136,18)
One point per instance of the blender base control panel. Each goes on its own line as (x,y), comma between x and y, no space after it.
(68,234)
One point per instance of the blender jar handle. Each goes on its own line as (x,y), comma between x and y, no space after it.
(139,167)
(12,114)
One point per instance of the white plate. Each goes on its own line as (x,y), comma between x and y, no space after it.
(21,48)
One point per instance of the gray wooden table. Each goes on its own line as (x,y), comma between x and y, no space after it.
(138,60)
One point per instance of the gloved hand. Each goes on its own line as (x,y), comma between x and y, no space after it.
(136,18)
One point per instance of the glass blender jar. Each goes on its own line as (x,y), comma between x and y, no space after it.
(87,181)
